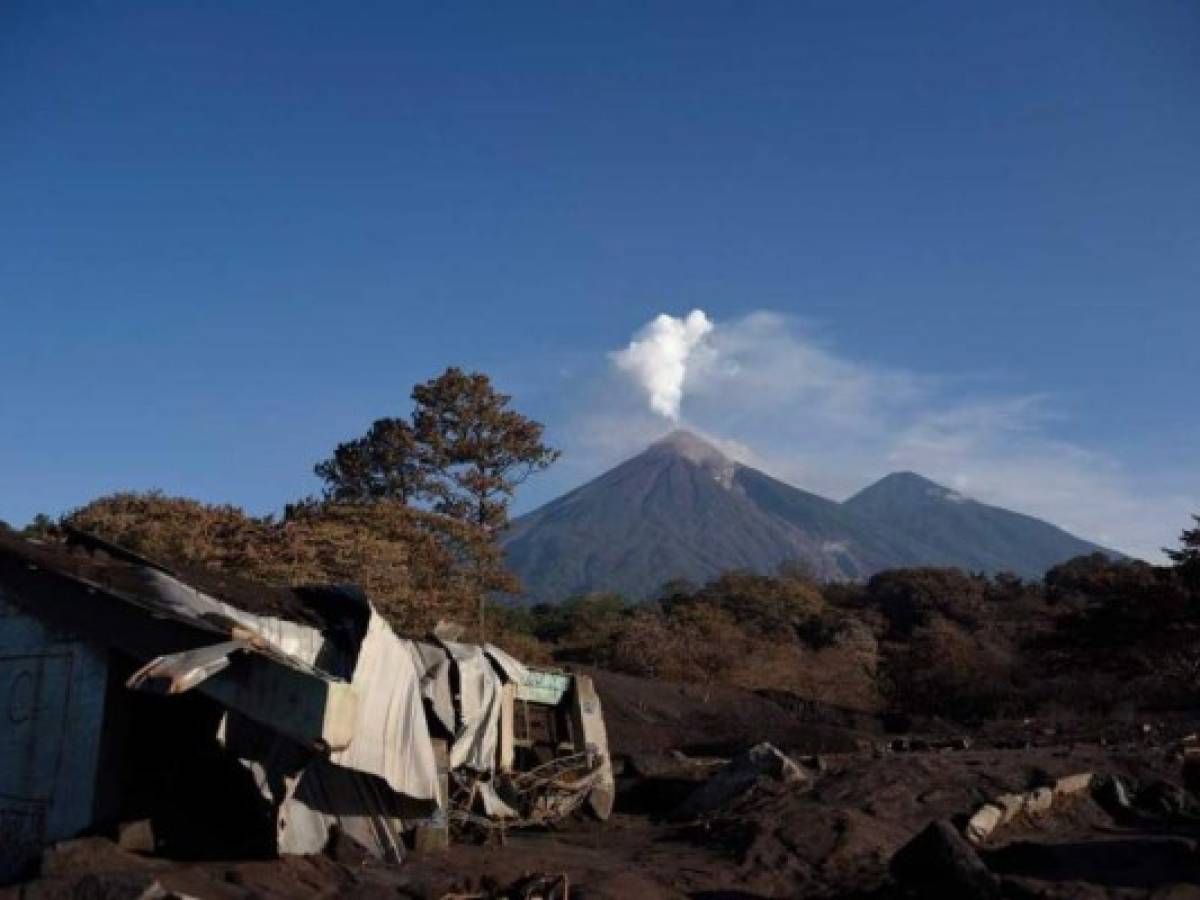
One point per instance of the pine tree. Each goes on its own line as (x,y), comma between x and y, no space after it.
(453,467)
(478,448)
(387,463)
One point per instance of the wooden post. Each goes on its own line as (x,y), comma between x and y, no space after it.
(508,699)
(435,835)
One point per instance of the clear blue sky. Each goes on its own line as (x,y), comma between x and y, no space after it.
(232,234)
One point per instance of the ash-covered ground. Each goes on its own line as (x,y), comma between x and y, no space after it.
(830,828)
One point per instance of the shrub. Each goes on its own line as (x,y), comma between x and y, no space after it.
(766,606)
(417,567)
(944,671)
(911,598)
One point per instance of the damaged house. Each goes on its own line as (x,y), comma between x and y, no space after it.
(232,718)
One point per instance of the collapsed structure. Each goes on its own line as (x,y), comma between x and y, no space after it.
(247,719)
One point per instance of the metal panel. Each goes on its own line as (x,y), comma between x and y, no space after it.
(592,737)
(51,709)
(543,686)
(34,693)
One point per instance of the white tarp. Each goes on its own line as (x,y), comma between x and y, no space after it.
(361,807)
(311,796)
(390,735)
(478,732)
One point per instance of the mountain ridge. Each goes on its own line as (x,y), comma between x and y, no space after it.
(683,509)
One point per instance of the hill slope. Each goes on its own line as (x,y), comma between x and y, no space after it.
(681,509)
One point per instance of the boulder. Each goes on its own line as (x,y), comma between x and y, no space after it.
(136,836)
(1191,771)
(1168,800)
(939,862)
(761,763)
(654,765)
(981,825)
(1073,785)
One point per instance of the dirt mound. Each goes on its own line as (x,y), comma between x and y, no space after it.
(784,844)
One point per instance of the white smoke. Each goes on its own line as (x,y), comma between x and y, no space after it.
(657,358)
(831,422)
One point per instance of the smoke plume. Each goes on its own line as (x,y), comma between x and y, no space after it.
(657,358)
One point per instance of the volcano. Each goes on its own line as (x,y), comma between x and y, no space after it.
(683,509)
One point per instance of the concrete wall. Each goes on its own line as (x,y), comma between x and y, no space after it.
(52,695)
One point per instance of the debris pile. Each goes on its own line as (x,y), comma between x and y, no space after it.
(265,720)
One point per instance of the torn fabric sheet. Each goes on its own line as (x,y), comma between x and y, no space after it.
(514,671)
(478,732)
(391,735)
(311,796)
(435,687)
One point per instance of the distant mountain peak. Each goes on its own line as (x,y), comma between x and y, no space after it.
(906,476)
(691,447)
(912,485)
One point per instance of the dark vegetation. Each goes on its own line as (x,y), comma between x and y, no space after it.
(1093,637)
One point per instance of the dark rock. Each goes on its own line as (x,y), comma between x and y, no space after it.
(939,862)
(761,763)
(136,836)
(670,765)
(1191,773)
(1114,793)
(1161,798)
